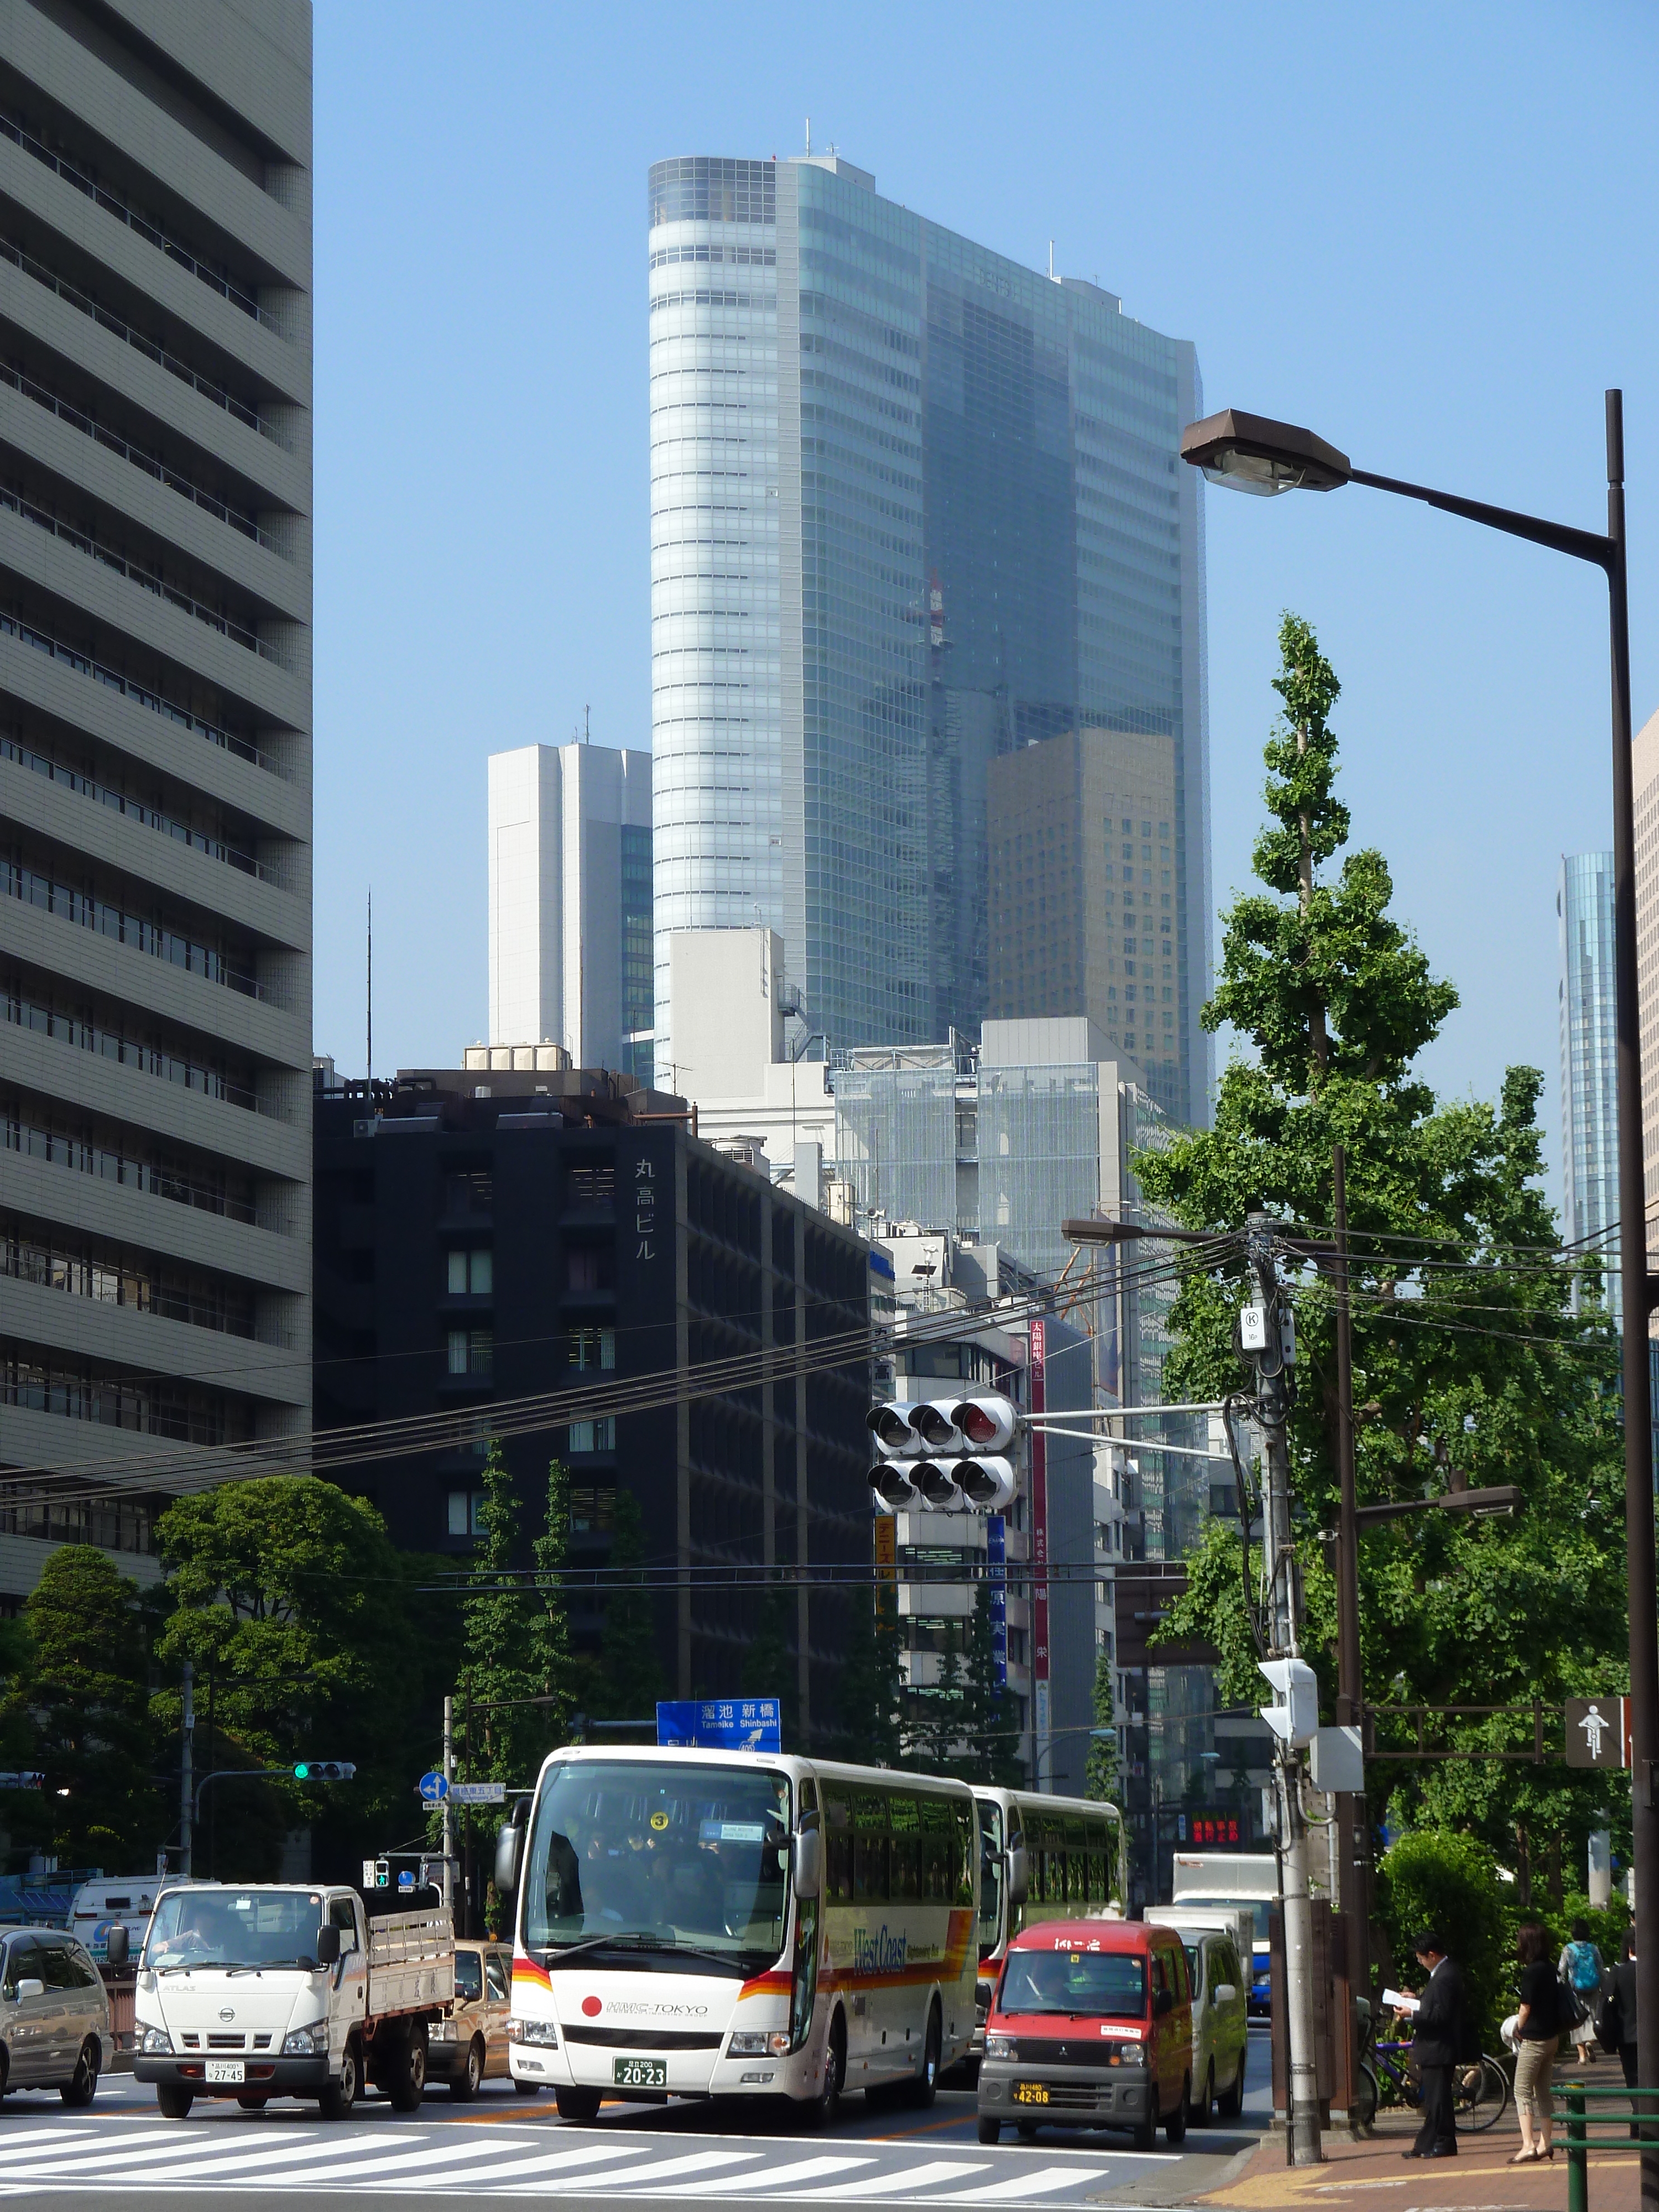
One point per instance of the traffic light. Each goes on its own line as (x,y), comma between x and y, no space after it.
(946,1453)
(323,1770)
(377,1874)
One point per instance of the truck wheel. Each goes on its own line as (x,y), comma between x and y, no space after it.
(339,2096)
(576,2104)
(405,2070)
(464,2082)
(925,2087)
(173,2102)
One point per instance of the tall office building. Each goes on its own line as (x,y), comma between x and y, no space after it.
(156,565)
(1645,777)
(913,506)
(570,954)
(1589,1103)
(1083,911)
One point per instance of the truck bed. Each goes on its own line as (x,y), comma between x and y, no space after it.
(411,1962)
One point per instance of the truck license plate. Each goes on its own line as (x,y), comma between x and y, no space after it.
(226,2069)
(640,2073)
(1030,2093)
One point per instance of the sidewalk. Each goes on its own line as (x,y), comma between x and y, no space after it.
(1369,2175)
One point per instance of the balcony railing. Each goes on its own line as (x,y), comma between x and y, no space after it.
(85,1158)
(69,904)
(79,420)
(147,226)
(72,295)
(26,1013)
(45,519)
(121,802)
(84,665)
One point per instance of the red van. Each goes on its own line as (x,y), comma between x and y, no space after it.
(1091,2026)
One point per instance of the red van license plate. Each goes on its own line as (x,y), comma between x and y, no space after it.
(1030,2093)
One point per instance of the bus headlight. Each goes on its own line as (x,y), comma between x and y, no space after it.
(544,2033)
(751,2043)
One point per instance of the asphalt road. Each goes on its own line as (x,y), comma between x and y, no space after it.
(505,2146)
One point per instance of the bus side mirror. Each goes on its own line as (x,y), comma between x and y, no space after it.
(118,1946)
(328,1945)
(809,1862)
(1019,1877)
(510,1850)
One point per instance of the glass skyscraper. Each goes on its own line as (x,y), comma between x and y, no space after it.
(913,506)
(1590,1108)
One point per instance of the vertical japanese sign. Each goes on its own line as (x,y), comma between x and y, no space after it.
(645,1209)
(1040,1720)
(996,1564)
(887,1563)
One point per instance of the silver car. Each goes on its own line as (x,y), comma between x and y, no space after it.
(1221,2031)
(54,2016)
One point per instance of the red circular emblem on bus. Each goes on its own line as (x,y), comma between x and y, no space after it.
(592,2007)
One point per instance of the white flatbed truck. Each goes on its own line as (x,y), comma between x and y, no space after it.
(288,1989)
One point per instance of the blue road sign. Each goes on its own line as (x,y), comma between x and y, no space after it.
(433,1788)
(722,1723)
(406,1878)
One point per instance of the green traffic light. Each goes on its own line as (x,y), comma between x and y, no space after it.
(302,1771)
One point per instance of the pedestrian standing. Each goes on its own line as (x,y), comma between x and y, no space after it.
(1440,2041)
(1538,2032)
(1582,1975)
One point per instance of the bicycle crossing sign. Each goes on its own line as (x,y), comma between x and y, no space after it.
(1598,1731)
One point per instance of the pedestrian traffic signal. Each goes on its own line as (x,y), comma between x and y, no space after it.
(944,1453)
(323,1770)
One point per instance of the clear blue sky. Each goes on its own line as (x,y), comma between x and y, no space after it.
(1427,231)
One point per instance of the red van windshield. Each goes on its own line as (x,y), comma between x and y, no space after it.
(1090,1983)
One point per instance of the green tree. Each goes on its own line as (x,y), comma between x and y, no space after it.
(290,1601)
(768,1664)
(1101,1767)
(1449,1884)
(77,1703)
(628,1680)
(867,1691)
(1471,1353)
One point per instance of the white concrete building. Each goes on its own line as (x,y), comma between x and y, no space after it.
(570,903)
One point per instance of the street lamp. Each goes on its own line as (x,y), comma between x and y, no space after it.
(1252,452)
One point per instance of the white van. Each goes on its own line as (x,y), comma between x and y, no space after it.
(122,1901)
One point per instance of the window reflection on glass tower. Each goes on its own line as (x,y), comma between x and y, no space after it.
(913,506)
(1589,1111)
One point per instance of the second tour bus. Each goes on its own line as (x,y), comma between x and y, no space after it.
(1041,1858)
(738,1924)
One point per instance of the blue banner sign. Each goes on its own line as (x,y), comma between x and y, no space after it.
(996,1561)
(722,1723)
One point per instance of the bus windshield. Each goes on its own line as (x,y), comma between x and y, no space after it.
(659,1857)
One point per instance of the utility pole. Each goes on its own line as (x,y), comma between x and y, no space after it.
(1283,1626)
(449,1809)
(1353,1825)
(186,1770)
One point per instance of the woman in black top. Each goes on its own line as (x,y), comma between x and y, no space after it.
(1539,2027)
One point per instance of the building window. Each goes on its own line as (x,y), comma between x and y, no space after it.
(590,1267)
(1016,1647)
(593,1348)
(465,1508)
(593,1512)
(591,1186)
(472,1274)
(593,1436)
(472,1351)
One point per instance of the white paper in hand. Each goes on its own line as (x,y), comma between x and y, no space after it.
(1397,2001)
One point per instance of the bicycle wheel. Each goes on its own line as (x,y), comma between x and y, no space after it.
(1481,2092)
(1364,2100)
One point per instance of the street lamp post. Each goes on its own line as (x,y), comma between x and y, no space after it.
(1250,452)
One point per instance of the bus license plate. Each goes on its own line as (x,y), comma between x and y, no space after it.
(226,2069)
(1030,2093)
(640,2073)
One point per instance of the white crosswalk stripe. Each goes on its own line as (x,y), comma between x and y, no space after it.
(374,2158)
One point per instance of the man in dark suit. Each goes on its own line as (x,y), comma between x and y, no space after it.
(1439,2043)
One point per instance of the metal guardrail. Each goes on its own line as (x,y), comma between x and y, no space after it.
(1571,2101)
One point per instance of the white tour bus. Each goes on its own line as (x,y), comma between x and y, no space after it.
(738,1924)
(1041,1858)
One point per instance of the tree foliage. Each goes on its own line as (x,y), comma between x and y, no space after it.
(627,1680)
(1481,1351)
(1448,1884)
(515,1632)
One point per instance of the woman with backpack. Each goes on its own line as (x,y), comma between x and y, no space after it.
(1583,1977)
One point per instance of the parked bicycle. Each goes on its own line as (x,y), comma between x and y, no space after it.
(1481,2089)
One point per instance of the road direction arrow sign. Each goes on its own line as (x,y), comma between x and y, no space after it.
(433,1788)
